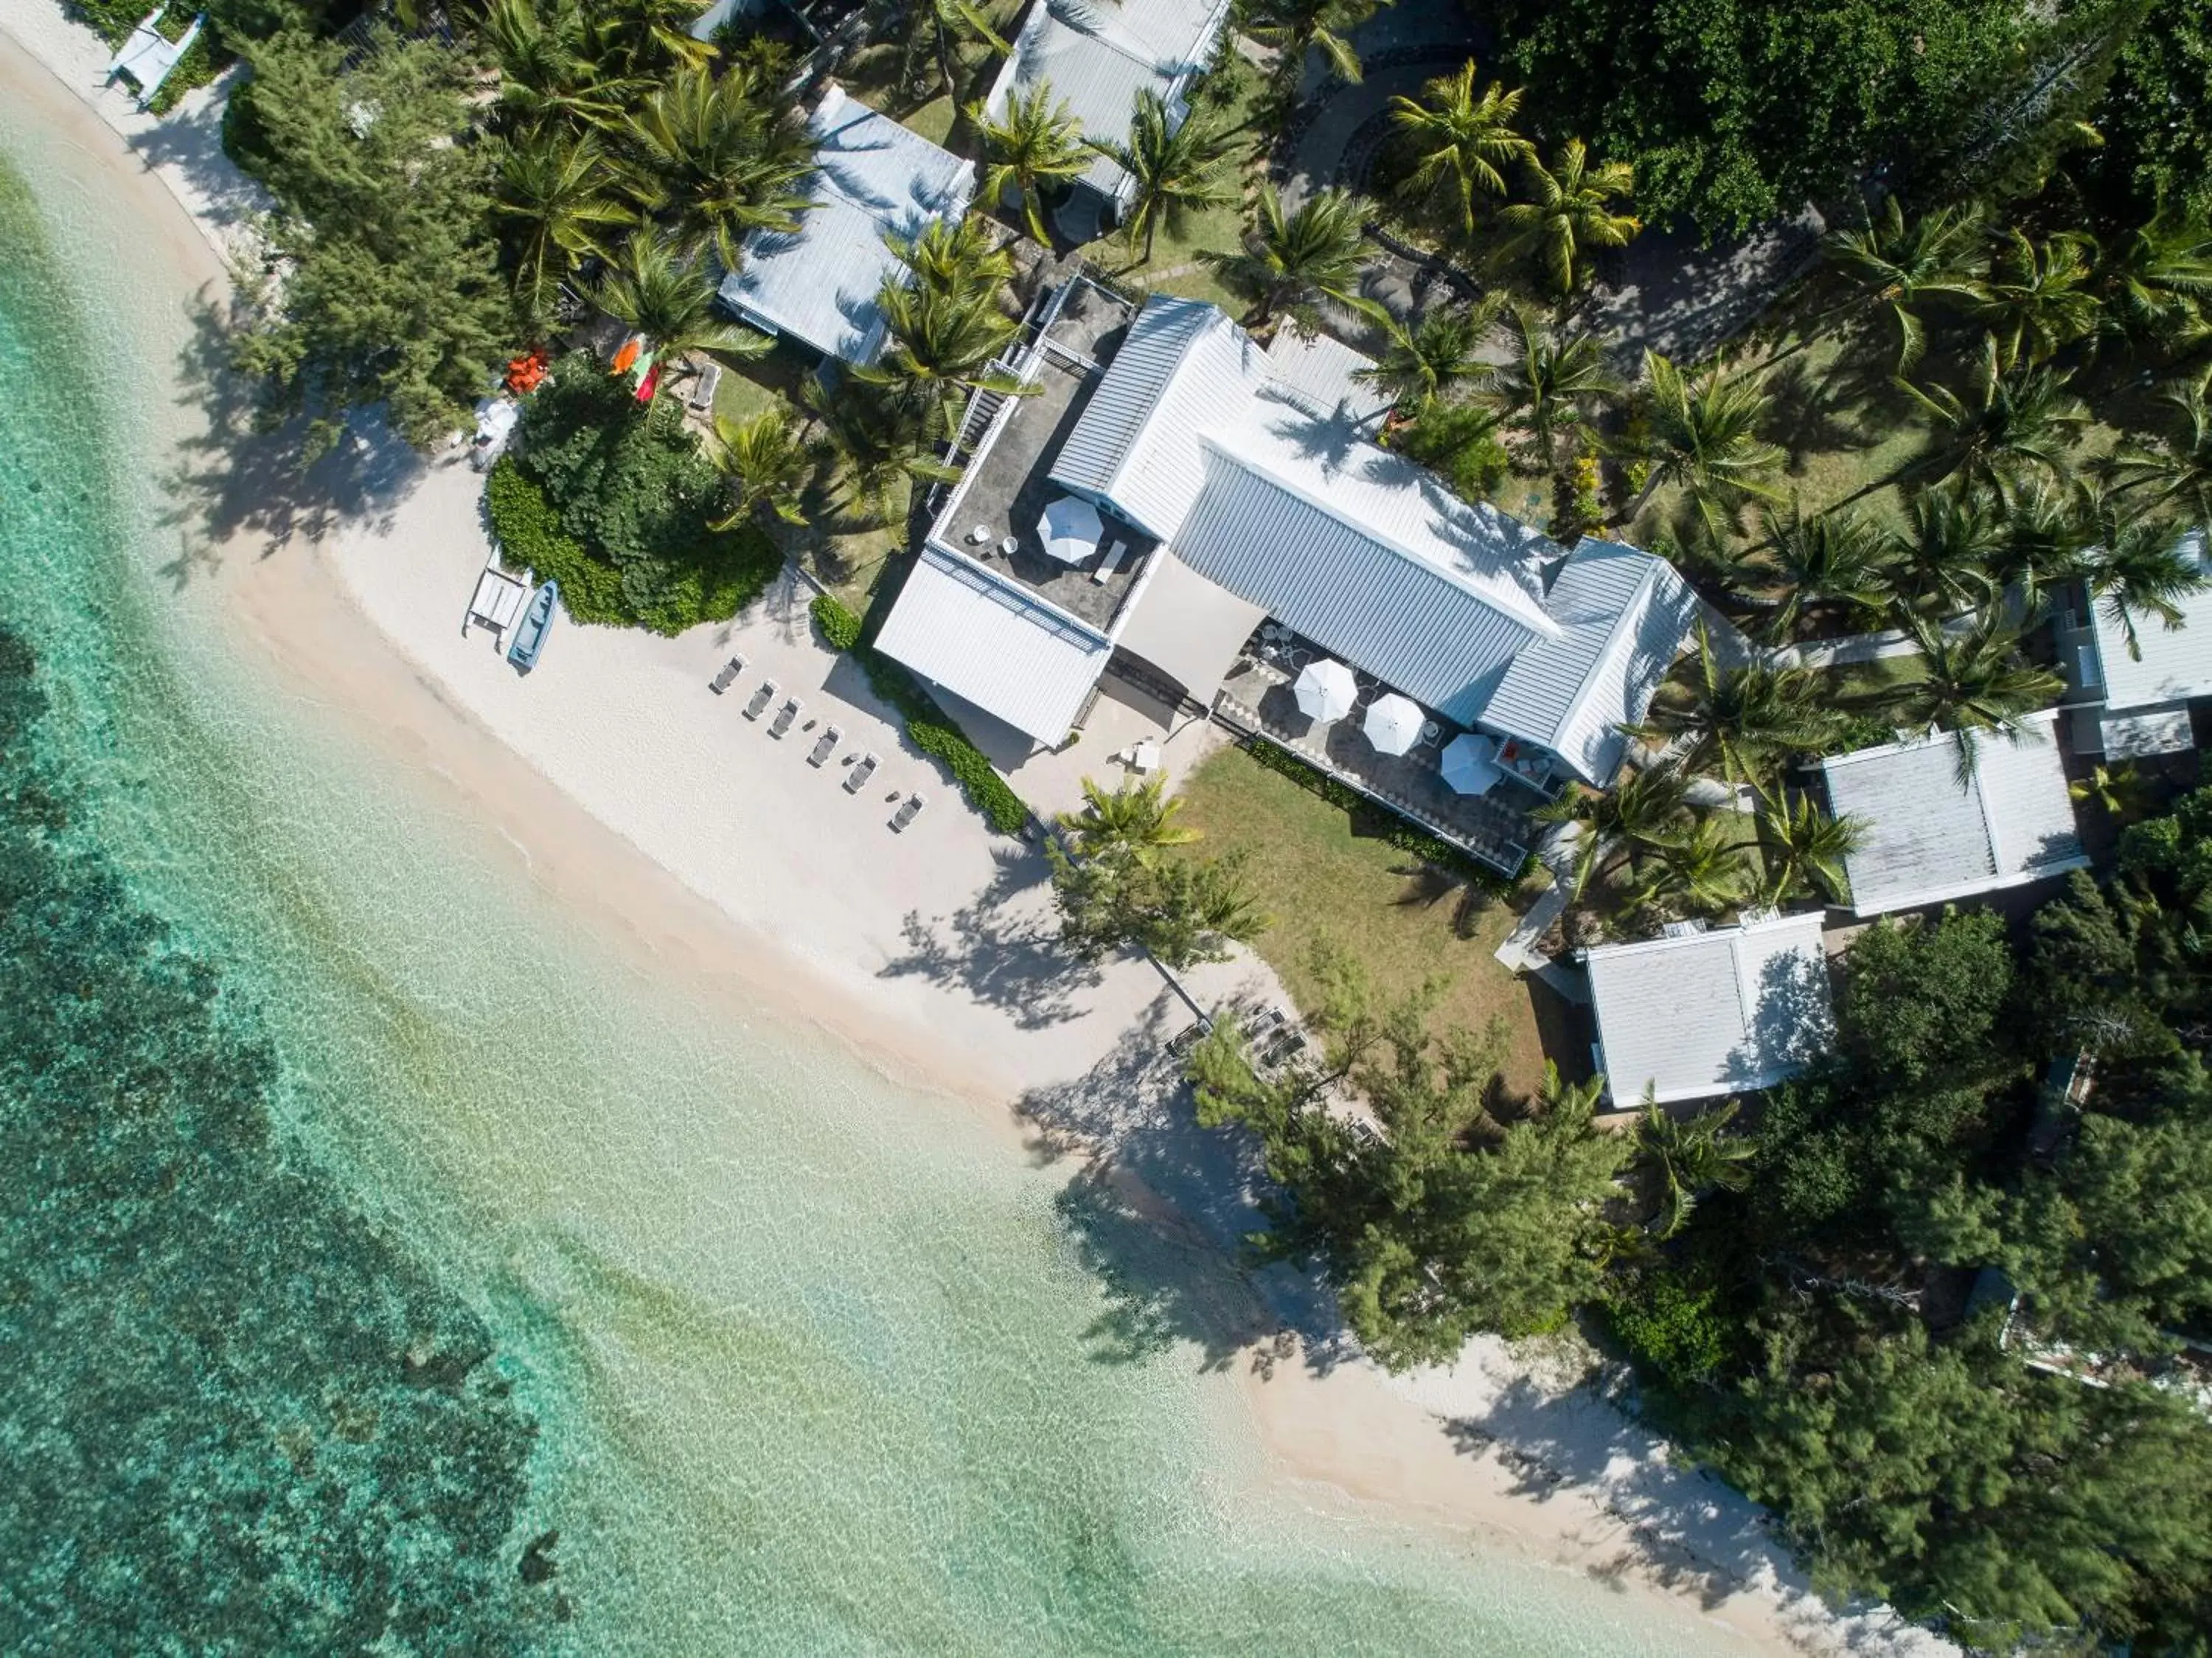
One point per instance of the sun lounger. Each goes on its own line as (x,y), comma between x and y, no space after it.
(825,745)
(727,677)
(786,717)
(762,696)
(704,388)
(907,812)
(857,778)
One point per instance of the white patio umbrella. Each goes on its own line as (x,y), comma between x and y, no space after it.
(1393,723)
(1326,691)
(1470,763)
(1071,529)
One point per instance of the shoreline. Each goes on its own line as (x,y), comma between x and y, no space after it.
(628,796)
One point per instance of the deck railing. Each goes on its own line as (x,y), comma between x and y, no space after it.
(1507,856)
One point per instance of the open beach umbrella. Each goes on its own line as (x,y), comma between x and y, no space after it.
(1071,529)
(1393,723)
(1470,763)
(1326,691)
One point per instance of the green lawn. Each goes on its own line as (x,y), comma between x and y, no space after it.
(1321,877)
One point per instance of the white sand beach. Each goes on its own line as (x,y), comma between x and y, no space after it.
(716,857)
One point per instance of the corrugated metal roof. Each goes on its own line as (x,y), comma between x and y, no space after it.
(2175,663)
(819,284)
(993,643)
(1401,619)
(1323,374)
(1150,351)
(1710,1013)
(1098,54)
(1623,616)
(1930,836)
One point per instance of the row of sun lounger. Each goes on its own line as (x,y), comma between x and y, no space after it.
(858,770)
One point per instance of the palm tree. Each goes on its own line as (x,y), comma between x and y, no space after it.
(2007,427)
(942,27)
(1175,169)
(1137,819)
(1704,435)
(2040,296)
(1429,358)
(2039,544)
(554,190)
(647,36)
(1805,847)
(1690,1158)
(2133,562)
(1570,212)
(1971,679)
(1461,141)
(1289,262)
(1552,383)
(724,158)
(763,464)
(1827,559)
(2178,471)
(1900,266)
(2120,792)
(1942,555)
(2153,283)
(1292,27)
(955,256)
(1035,145)
(1647,807)
(651,286)
(1750,718)
(884,439)
(1701,871)
(943,344)
(548,69)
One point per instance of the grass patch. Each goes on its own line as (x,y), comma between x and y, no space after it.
(1324,872)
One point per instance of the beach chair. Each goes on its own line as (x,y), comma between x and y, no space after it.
(825,745)
(727,676)
(786,717)
(863,768)
(909,809)
(762,696)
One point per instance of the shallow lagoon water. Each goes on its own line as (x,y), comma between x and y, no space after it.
(814,1364)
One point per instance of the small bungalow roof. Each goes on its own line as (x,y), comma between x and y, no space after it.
(991,642)
(1932,836)
(819,282)
(1708,1013)
(2168,664)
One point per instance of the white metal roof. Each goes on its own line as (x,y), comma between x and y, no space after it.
(2175,663)
(1098,55)
(1323,373)
(1710,1013)
(1931,836)
(875,178)
(994,643)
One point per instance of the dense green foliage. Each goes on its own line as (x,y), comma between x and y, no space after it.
(238,1414)
(1733,112)
(1119,883)
(927,727)
(1454,1220)
(531,539)
(627,484)
(2156,120)
(390,293)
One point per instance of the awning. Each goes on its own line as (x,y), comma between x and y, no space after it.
(1187,627)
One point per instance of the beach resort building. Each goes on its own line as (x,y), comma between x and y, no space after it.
(1096,55)
(1210,522)
(2132,699)
(818,284)
(1933,835)
(1703,1012)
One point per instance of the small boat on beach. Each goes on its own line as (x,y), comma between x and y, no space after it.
(530,632)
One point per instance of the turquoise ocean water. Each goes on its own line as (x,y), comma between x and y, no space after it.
(386,1264)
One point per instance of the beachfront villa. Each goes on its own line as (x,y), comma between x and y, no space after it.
(1097,56)
(818,284)
(2132,701)
(1933,835)
(1182,511)
(1701,1012)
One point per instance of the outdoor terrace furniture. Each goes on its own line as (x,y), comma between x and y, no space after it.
(786,717)
(727,675)
(704,388)
(825,745)
(1115,552)
(863,768)
(762,696)
(909,811)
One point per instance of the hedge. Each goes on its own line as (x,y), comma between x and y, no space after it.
(530,538)
(927,726)
(1397,831)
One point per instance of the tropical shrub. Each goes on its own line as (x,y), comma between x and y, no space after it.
(1671,1328)
(841,628)
(531,539)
